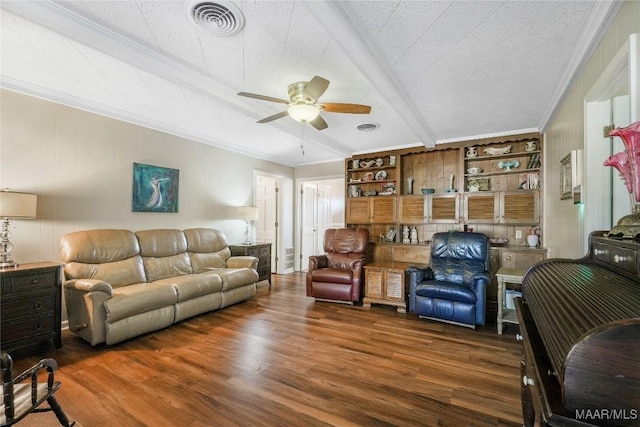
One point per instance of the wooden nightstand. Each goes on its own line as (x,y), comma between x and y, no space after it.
(262,251)
(30,305)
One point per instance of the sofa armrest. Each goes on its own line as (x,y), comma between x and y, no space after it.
(89,285)
(244,261)
(413,277)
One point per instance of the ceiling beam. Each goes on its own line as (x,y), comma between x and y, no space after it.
(349,36)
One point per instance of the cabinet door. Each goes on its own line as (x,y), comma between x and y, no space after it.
(358,211)
(374,281)
(383,209)
(481,207)
(394,285)
(443,208)
(412,209)
(520,207)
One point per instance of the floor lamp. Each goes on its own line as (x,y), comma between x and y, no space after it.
(13,206)
(248,213)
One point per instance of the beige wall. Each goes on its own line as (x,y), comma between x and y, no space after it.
(80,166)
(563,228)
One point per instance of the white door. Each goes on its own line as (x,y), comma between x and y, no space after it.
(309,217)
(267,223)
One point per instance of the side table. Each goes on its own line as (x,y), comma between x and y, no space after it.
(503,276)
(30,305)
(262,251)
(384,284)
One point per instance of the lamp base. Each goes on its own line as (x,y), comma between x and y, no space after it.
(9,264)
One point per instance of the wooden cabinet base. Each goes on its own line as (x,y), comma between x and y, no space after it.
(384,284)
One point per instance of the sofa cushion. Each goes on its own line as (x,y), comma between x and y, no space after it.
(139,298)
(236,277)
(118,273)
(208,248)
(449,291)
(164,253)
(109,255)
(194,285)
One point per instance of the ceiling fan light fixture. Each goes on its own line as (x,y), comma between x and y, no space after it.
(303,112)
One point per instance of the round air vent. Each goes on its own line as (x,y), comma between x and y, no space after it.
(221,18)
(367,127)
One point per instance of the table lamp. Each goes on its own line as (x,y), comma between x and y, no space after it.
(248,213)
(13,206)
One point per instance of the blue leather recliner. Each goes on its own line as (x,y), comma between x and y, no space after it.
(453,288)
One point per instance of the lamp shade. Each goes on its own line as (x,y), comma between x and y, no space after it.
(303,112)
(17,205)
(249,213)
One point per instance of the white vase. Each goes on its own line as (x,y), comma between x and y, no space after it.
(532,240)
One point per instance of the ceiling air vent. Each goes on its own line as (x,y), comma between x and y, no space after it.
(367,127)
(221,18)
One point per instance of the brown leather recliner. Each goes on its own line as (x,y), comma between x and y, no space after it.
(338,275)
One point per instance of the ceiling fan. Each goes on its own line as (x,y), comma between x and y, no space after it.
(303,105)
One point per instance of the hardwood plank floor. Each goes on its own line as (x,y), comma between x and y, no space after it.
(283,359)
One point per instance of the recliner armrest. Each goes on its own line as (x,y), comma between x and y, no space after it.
(318,261)
(89,285)
(413,277)
(478,280)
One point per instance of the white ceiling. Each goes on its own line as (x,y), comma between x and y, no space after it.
(432,71)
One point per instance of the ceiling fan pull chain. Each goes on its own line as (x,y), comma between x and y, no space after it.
(301,140)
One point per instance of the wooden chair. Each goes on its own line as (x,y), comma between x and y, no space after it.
(21,398)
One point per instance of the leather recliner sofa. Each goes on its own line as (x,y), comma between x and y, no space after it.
(120,284)
(453,287)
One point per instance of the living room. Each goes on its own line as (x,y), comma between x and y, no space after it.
(78,160)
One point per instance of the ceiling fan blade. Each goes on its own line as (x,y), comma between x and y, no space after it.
(263,97)
(336,107)
(319,123)
(274,117)
(316,87)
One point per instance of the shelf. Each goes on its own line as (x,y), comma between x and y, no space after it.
(373,181)
(372,168)
(501,156)
(510,172)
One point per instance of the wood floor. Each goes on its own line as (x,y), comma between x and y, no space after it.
(282,359)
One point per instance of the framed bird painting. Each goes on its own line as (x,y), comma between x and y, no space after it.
(155,188)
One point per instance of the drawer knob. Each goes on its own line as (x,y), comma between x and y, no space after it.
(34,282)
(599,252)
(37,327)
(527,381)
(621,258)
(37,306)
(519,337)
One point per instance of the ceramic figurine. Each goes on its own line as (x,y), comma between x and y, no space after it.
(472,152)
(405,235)
(531,146)
(414,236)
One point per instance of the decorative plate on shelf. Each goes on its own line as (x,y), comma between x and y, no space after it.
(368,176)
(381,175)
(498,241)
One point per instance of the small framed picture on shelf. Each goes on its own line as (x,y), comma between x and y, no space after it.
(391,234)
(570,173)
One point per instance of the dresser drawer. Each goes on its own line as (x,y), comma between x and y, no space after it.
(29,282)
(262,252)
(16,308)
(28,327)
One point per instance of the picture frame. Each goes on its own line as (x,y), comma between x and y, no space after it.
(391,234)
(155,188)
(570,173)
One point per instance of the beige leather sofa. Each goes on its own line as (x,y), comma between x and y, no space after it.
(120,284)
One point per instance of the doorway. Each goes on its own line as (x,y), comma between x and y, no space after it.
(267,189)
(321,207)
